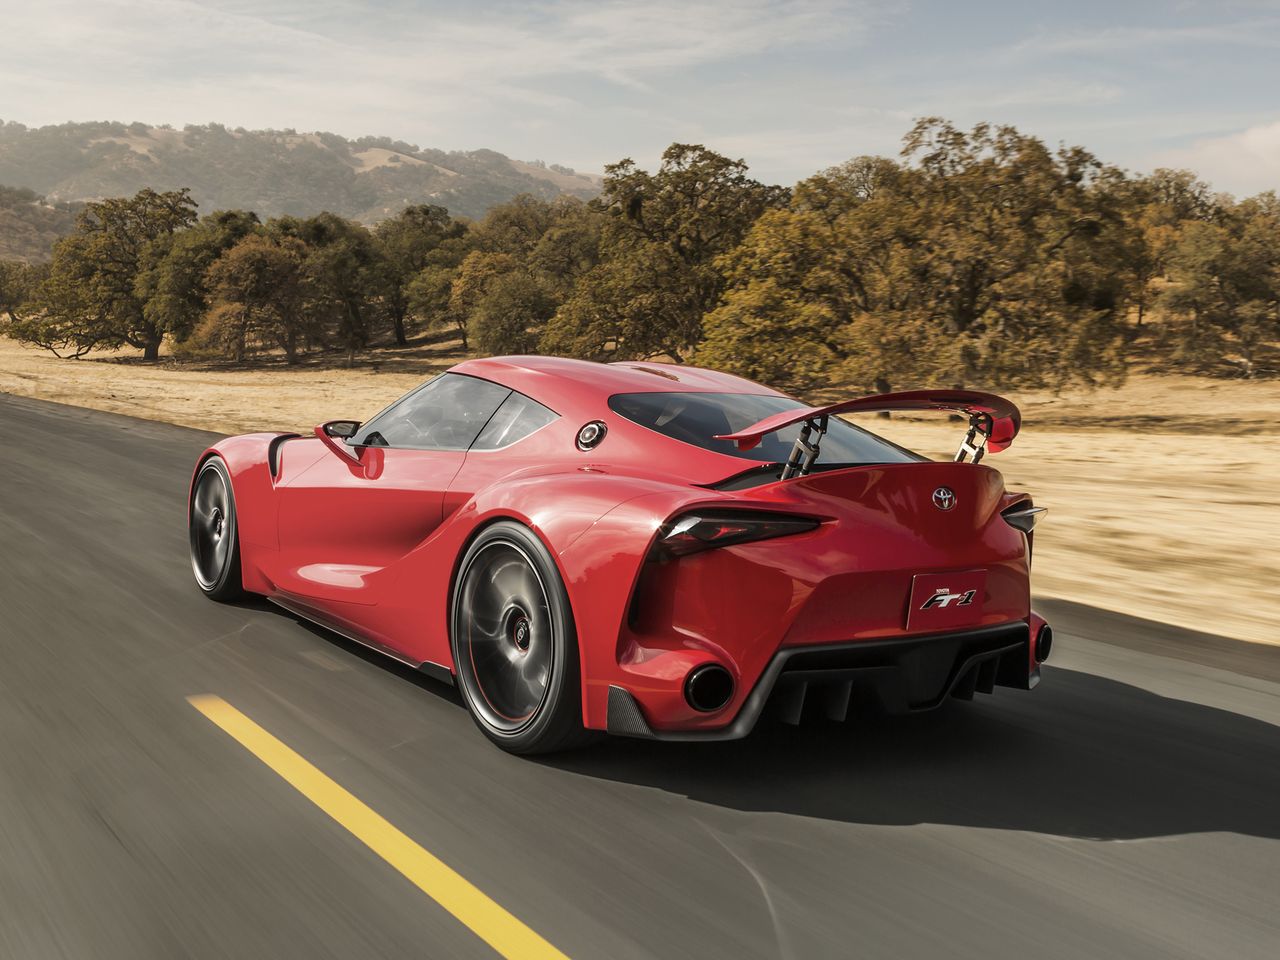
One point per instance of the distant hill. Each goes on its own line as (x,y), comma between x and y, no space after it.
(271,172)
(29,224)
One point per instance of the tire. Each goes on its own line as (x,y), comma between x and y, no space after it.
(213,534)
(515,649)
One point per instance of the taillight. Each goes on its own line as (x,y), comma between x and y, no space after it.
(705,529)
(1023,515)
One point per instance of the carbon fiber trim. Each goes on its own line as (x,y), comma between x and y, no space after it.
(624,717)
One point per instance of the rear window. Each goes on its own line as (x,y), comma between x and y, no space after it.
(697,418)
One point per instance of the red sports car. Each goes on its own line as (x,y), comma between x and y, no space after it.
(652,550)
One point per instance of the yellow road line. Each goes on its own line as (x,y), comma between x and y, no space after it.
(487,920)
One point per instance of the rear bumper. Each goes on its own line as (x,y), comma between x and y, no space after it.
(903,675)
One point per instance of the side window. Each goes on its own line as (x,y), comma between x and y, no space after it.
(445,414)
(516,419)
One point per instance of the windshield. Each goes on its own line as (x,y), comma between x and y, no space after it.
(697,418)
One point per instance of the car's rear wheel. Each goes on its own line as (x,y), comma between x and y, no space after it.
(213,533)
(514,645)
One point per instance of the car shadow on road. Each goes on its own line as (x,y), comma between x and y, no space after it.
(1082,756)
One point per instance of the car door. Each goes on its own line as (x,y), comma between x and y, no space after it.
(346,519)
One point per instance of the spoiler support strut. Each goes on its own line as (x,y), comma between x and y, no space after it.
(807,446)
(805,450)
(974,444)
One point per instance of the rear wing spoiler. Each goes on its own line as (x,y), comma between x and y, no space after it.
(993,423)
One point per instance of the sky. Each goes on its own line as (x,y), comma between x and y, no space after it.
(791,86)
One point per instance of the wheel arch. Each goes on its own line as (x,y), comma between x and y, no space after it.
(472,536)
(578,516)
(492,520)
(559,507)
(246,458)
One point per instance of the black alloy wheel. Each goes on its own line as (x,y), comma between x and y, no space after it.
(213,534)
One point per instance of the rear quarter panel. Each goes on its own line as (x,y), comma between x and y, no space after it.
(561,506)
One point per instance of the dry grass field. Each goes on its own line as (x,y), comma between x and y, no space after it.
(1162,493)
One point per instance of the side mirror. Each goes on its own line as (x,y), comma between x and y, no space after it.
(332,432)
(340,429)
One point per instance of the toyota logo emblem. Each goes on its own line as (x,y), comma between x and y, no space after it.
(944,498)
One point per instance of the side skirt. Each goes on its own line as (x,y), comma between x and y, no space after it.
(436,671)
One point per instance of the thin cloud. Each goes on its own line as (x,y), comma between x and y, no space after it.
(789,85)
(1244,163)
(334,64)
(607,40)
(1260,33)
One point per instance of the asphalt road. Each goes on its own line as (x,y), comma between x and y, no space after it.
(1129,807)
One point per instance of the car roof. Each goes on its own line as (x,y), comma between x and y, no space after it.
(553,380)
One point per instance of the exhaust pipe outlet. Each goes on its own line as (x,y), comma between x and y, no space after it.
(708,687)
(1044,643)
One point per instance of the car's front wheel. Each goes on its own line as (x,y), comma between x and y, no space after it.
(515,649)
(213,533)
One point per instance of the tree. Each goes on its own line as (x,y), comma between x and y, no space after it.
(770,333)
(628,307)
(983,256)
(429,298)
(509,316)
(476,272)
(257,290)
(172,283)
(346,276)
(571,245)
(1157,208)
(657,274)
(1008,222)
(407,243)
(92,297)
(1224,293)
(699,204)
(514,227)
(469,283)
